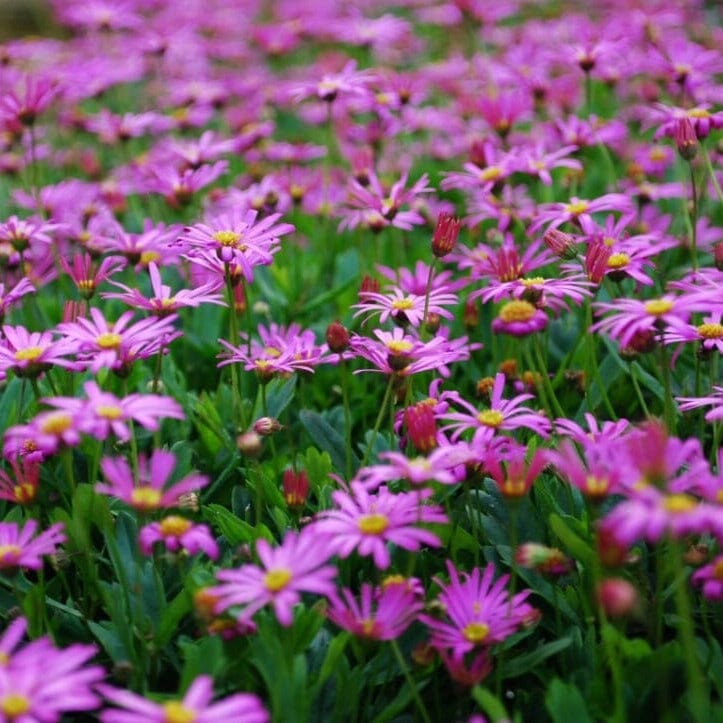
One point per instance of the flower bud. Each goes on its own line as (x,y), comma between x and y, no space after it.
(337,337)
(421,427)
(433,322)
(560,243)
(296,488)
(617,597)
(470,315)
(685,139)
(445,235)
(249,443)
(368,285)
(547,560)
(718,255)
(266,426)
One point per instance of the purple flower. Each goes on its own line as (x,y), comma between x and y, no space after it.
(18,548)
(177,533)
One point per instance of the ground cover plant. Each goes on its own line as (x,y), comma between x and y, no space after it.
(360,362)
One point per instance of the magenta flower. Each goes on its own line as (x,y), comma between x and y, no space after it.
(14,295)
(26,102)
(103,413)
(238,237)
(579,210)
(41,683)
(194,707)
(480,613)
(20,233)
(509,467)
(715,400)
(710,578)
(404,308)
(595,432)
(163,302)
(380,614)
(348,81)
(296,566)
(149,492)
(631,317)
(153,243)
(178,533)
(708,334)
(18,548)
(502,414)
(366,522)
(22,487)
(44,435)
(178,187)
(87,275)
(29,354)
(116,345)
(418,471)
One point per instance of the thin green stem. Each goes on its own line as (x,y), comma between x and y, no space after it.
(233,339)
(428,291)
(711,172)
(410,682)
(694,220)
(542,369)
(380,417)
(592,362)
(668,403)
(639,392)
(347,414)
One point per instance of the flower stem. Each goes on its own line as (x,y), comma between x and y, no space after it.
(380,417)
(592,362)
(711,172)
(428,291)
(347,414)
(668,404)
(694,220)
(233,339)
(410,682)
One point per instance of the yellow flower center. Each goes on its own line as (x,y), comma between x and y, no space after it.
(399,347)
(513,487)
(108,340)
(56,423)
(24,493)
(109,411)
(657,153)
(490,418)
(596,486)
(277,579)
(394,579)
(718,569)
(29,354)
(577,208)
(698,113)
(146,498)
(174,526)
(175,712)
(658,307)
(402,304)
(492,173)
(373,524)
(13,705)
(272,351)
(148,256)
(711,331)
(368,627)
(680,503)
(618,261)
(533,281)
(9,553)
(476,632)
(517,311)
(227,238)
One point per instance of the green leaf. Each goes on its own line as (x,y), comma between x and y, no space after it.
(234,529)
(328,439)
(279,394)
(171,616)
(202,657)
(577,547)
(524,663)
(105,633)
(490,704)
(565,703)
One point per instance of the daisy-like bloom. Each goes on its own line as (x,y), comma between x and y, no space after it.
(374,207)
(578,210)
(14,295)
(178,533)
(193,152)
(630,317)
(366,522)
(596,474)
(417,471)
(536,161)
(402,307)
(163,302)
(41,683)
(607,431)
(298,565)
(348,81)
(178,187)
(237,237)
(715,400)
(415,282)
(380,614)
(44,435)
(102,413)
(502,414)
(509,468)
(29,354)
(149,492)
(27,101)
(708,334)
(152,244)
(479,613)
(20,233)
(18,547)
(102,344)
(498,167)
(710,578)
(22,486)
(506,263)
(702,119)
(87,275)
(194,707)
(112,128)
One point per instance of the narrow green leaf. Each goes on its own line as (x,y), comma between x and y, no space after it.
(565,703)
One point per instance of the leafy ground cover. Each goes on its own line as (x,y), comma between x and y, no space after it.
(361,362)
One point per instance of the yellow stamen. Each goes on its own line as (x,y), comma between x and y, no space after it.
(175,712)
(146,498)
(174,526)
(108,340)
(227,238)
(56,423)
(277,579)
(658,307)
(517,311)
(476,632)
(14,705)
(9,553)
(711,331)
(490,418)
(402,304)
(399,347)
(31,353)
(680,503)
(373,524)
(618,261)
(109,411)
(577,208)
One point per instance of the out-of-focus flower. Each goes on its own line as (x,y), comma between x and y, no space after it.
(19,549)
(178,533)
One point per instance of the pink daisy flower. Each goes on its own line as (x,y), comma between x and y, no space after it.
(22,487)
(579,210)
(29,354)
(178,533)
(366,522)
(295,566)
(417,471)
(87,275)
(44,435)
(348,81)
(479,612)
(710,578)
(509,467)
(708,334)
(380,614)
(149,492)
(18,547)
(715,400)
(404,308)
(14,295)
(502,414)
(194,707)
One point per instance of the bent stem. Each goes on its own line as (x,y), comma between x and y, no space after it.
(410,682)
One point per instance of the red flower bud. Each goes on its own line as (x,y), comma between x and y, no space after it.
(446,233)
(337,337)
(685,139)
(296,488)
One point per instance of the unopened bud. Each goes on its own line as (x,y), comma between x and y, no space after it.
(685,139)
(421,427)
(446,233)
(266,426)
(239,299)
(509,368)
(560,243)
(433,322)
(617,597)
(547,560)
(470,316)
(718,255)
(368,285)
(296,488)
(337,337)
(484,388)
(249,444)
